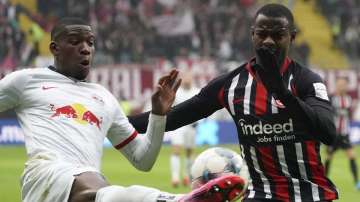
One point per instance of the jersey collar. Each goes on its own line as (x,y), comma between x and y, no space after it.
(71,78)
(250,66)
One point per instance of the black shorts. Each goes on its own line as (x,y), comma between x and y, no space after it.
(341,142)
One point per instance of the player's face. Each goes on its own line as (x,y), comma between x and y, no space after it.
(341,85)
(274,33)
(75,49)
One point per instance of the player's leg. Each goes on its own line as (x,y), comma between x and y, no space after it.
(188,163)
(91,186)
(222,189)
(85,186)
(175,160)
(330,150)
(353,166)
(329,155)
(189,145)
(134,193)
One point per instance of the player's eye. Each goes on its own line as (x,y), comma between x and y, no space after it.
(261,34)
(279,34)
(91,42)
(74,41)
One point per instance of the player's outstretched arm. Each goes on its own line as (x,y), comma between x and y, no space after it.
(142,150)
(164,95)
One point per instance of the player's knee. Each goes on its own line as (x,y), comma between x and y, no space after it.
(176,150)
(126,194)
(88,195)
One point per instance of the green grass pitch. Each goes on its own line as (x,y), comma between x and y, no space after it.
(119,171)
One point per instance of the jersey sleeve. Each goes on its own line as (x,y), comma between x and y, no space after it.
(141,150)
(11,88)
(311,105)
(121,132)
(310,84)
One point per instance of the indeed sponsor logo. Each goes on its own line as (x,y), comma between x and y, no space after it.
(260,128)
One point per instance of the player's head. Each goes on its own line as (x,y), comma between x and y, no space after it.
(186,79)
(341,85)
(72,44)
(273,27)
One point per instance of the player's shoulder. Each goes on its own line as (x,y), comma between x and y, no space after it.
(102,91)
(21,75)
(304,74)
(227,76)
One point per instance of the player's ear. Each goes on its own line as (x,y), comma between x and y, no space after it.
(293,35)
(252,31)
(54,48)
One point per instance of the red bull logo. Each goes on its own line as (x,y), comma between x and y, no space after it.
(78,113)
(67,111)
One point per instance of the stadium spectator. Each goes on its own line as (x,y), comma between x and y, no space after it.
(65,120)
(343,106)
(143,30)
(343,16)
(11,37)
(281,110)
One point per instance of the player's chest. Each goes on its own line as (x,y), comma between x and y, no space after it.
(67,100)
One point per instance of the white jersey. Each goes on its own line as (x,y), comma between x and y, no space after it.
(71,127)
(185,135)
(183,94)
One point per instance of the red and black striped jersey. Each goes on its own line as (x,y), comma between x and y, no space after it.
(343,109)
(279,139)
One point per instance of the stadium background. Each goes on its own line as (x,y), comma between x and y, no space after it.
(138,40)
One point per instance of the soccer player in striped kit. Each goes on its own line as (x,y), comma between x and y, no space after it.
(343,105)
(281,110)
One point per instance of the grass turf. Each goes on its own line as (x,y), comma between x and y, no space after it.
(119,171)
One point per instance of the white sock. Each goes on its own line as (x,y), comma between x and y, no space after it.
(175,167)
(134,193)
(188,163)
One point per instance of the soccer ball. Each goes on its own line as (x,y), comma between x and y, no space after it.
(215,162)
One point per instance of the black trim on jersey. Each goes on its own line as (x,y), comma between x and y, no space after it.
(309,172)
(252,98)
(265,173)
(269,104)
(255,176)
(280,171)
(240,92)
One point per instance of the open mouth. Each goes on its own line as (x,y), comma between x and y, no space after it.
(85,63)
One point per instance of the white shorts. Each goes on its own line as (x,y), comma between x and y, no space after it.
(47,179)
(184,136)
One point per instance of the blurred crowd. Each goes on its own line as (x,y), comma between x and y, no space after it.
(344,17)
(137,31)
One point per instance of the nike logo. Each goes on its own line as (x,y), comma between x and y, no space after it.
(48,87)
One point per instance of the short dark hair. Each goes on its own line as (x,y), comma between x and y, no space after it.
(277,10)
(60,25)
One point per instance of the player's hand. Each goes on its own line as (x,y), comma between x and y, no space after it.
(268,69)
(165,92)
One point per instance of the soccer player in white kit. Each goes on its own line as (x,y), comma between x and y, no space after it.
(65,120)
(184,137)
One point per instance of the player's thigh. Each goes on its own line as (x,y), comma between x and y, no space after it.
(176,138)
(85,186)
(345,143)
(189,138)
